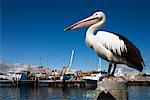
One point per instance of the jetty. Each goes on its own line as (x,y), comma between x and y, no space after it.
(60,83)
(39,76)
(49,83)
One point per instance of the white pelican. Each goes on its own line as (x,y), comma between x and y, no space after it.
(114,48)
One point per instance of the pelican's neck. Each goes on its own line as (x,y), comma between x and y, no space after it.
(90,32)
(93,28)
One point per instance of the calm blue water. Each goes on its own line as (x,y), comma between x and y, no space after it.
(48,93)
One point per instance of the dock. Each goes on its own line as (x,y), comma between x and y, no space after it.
(138,81)
(61,83)
(7,83)
(49,83)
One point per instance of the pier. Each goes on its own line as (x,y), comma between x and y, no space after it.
(61,83)
(50,83)
(138,83)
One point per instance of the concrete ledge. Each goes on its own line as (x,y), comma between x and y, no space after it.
(113,87)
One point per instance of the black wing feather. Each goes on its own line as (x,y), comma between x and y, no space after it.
(132,55)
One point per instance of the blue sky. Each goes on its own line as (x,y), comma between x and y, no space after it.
(34,28)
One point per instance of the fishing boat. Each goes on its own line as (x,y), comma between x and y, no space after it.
(3,76)
(11,76)
(93,78)
(98,75)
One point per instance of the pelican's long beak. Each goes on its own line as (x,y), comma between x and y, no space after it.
(85,22)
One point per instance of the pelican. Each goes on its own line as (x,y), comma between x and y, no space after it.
(112,47)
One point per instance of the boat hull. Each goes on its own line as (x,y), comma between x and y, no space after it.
(90,83)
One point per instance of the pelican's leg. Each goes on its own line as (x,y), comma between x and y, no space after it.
(109,69)
(112,74)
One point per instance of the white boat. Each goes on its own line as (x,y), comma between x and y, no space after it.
(93,78)
(13,75)
(97,76)
(3,76)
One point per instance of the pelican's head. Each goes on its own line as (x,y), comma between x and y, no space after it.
(97,18)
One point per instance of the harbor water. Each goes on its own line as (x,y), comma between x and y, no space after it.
(66,93)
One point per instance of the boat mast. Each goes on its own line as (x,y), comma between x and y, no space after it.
(71,58)
(99,67)
(41,59)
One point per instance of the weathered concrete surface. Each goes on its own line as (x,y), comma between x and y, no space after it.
(114,88)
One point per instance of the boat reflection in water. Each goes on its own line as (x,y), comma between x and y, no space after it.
(66,93)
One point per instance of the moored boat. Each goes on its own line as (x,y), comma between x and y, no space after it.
(93,78)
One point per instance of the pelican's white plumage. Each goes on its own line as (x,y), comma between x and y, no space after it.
(110,46)
(111,42)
